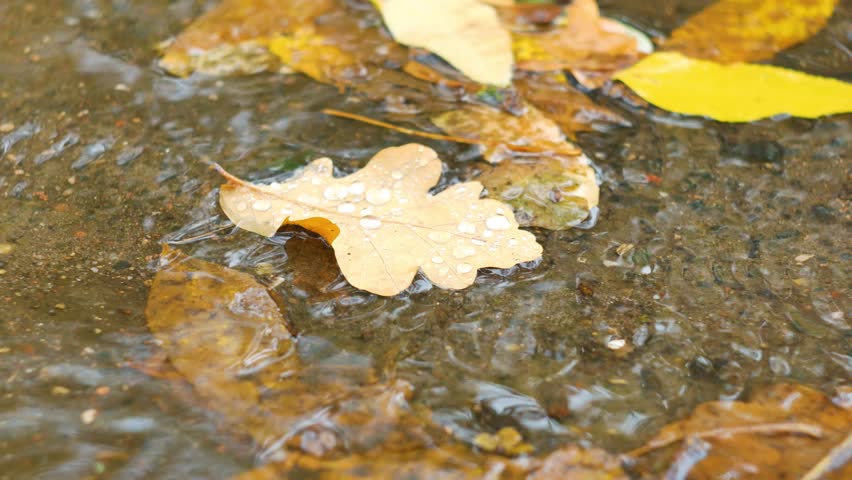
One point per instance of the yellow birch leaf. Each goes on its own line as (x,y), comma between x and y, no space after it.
(384,225)
(738,92)
(466,33)
(749,30)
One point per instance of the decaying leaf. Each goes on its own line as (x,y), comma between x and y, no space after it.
(554,188)
(226,336)
(584,41)
(384,225)
(749,30)
(553,192)
(232,36)
(782,432)
(466,33)
(737,92)
(339,50)
(503,132)
(570,108)
(448,462)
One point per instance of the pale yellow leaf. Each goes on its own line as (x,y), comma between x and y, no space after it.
(383,224)
(466,33)
(738,92)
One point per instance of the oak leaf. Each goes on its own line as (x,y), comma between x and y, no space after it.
(384,225)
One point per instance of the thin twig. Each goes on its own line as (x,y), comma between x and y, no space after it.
(837,457)
(566,150)
(766,429)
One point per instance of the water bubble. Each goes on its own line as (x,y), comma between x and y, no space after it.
(437,259)
(366,211)
(477,241)
(379,197)
(463,268)
(316,180)
(335,192)
(498,222)
(487,233)
(440,236)
(261,205)
(286,211)
(346,208)
(512,242)
(356,188)
(370,222)
(397,175)
(465,227)
(464,251)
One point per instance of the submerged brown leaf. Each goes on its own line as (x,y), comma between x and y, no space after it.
(383,224)
(231,37)
(226,336)
(503,132)
(583,42)
(570,108)
(782,432)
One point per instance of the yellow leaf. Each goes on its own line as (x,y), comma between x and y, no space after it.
(749,30)
(738,92)
(231,37)
(384,225)
(307,52)
(466,33)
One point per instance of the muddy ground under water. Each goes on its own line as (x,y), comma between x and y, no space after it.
(718,262)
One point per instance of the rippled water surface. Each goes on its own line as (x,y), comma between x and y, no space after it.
(719,261)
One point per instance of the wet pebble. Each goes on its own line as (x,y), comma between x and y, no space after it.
(64,143)
(128,155)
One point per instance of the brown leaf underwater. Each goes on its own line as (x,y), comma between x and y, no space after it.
(383,224)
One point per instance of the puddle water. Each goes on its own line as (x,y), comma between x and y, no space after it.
(717,263)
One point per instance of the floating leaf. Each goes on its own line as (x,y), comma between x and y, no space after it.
(466,33)
(306,52)
(749,30)
(734,93)
(547,192)
(231,37)
(384,225)
(503,132)
(783,432)
(583,41)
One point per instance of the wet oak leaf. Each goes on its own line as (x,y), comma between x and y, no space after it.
(749,30)
(781,432)
(737,92)
(231,37)
(383,224)
(466,33)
